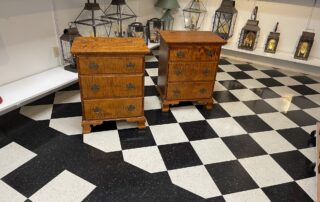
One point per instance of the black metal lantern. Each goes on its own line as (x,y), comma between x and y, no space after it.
(154,26)
(225,19)
(66,41)
(272,41)
(250,33)
(88,17)
(304,46)
(121,15)
(194,15)
(136,29)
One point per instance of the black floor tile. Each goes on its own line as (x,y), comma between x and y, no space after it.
(252,123)
(245,67)
(304,79)
(66,110)
(265,93)
(231,177)
(105,126)
(174,156)
(43,101)
(301,118)
(224,96)
(198,130)
(240,75)
(296,136)
(154,79)
(135,138)
(286,192)
(151,65)
(303,102)
(157,117)
(304,90)
(259,106)
(232,85)
(224,62)
(219,69)
(243,146)
(295,164)
(150,91)
(74,86)
(273,73)
(216,112)
(270,82)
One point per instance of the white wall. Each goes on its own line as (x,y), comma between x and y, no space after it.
(28,30)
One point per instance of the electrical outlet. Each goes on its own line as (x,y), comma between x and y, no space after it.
(56,51)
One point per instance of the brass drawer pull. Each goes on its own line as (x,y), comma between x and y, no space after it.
(205,72)
(178,72)
(131,86)
(95,88)
(93,66)
(203,90)
(130,65)
(176,92)
(209,53)
(131,108)
(180,54)
(97,110)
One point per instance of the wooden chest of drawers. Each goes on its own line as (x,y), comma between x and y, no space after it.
(111,78)
(187,67)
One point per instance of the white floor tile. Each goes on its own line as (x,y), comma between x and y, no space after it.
(235,61)
(67,97)
(152,102)
(150,58)
(289,73)
(168,134)
(315,87)
(285,91)
(107,141)
(277,121)
(229,68)
(13,156)
(251,83)
(237,109)
(309,185)
(68,126)
(65,187)
(309,129)
(186,114)
(315,112)
(287,81)
(272,142)
(226,127)
(245,94)
(314,98)
(146,158)
(196,180)
(282,104)
(257,74)
(148,81)
(37,112)
(219,87)
(8,194)
(261,67)
(265,171)
(223,76)
(212,151)
(254,195)
(152,71)
(310,153)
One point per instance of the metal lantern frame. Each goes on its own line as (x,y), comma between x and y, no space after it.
(153,27)
(272,41)
(194,15)
(66,40)
(137,30)
(304,46)
(225,19)
(250,33)
(93,21)
(118,15)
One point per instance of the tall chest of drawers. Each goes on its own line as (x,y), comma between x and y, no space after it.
(187,67)
(111,78)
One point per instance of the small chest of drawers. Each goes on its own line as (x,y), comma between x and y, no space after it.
(187,67)
(111,78)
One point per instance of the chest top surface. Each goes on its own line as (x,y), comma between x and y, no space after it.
(102,45)
(191,37)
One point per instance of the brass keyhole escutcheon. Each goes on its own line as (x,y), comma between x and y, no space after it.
(176,92)
(203,90)
(95,88)
(130,65)
(131,108)
(209,53)
(131,86)
(97,110)
(206,72)
(93,66)
(178,71)
(180,54)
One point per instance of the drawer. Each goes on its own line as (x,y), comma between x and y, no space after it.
(189,91)
(194,53)
(110,65)
(111,86)
(203,71)
(113,108)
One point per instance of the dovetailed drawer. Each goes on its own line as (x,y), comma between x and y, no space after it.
(194,53)
(113,108)
(110,65)
(192,71)
(190,90)
(111,86)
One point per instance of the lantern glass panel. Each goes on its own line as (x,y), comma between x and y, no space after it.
(223,24)
(194,15)
(249,35)
(167,20)
(272,42)
(154,26)
(304,46)
(233,24)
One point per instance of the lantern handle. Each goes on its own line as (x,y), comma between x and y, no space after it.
(276,28)
(254,13)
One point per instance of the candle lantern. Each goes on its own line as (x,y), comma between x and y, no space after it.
(304,46)
(136,29)
(194,15)
(121,15)
(167,18)
(225,19)
(272,41)
(66,41)
(154,26)
(250,33)
(89,17)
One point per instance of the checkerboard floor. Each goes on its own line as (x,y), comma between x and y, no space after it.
(253,145)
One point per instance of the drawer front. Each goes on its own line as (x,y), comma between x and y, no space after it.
(110,65)
(113,108)
(195,53)
(192,90)
(111,86)
(204,71)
